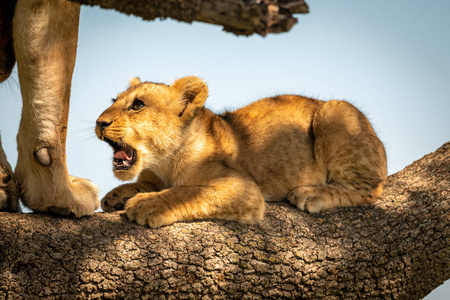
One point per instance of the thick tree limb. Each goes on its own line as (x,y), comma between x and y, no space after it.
(399,247)
(244,17)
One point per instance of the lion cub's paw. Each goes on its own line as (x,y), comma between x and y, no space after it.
(118,197)
(147,209)
(309,198)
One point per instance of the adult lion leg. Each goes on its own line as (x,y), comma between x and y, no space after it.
(7,59)
(8,190)
(9,195)
(45,39)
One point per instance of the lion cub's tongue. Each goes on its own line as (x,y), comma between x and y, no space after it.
(123,153)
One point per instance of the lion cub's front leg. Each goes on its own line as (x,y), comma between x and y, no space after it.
(119,196)
(228,199)
(45,40)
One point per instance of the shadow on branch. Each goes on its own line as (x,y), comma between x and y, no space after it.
(397,247)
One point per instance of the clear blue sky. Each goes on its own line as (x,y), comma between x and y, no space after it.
(389,58)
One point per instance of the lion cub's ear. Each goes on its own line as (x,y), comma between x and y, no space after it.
(194,91)
(134,81)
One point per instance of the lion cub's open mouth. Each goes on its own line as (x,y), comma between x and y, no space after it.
(124,155)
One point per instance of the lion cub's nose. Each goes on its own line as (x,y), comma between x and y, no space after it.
(102,125)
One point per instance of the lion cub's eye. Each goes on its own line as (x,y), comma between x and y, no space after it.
(137,104)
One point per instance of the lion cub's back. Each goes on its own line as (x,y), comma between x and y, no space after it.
(280,112)
(290,141)
(276,143)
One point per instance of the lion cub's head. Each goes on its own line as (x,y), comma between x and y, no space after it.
(145,124)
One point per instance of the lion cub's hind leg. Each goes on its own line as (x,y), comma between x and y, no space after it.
(354,159)
(315,198)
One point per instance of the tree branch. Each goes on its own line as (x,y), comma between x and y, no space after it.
(398,247)
(243,17)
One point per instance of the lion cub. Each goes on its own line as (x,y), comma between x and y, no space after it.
(194,164)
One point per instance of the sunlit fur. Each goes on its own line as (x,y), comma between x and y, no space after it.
(45,39)
(9,194)
(316,154)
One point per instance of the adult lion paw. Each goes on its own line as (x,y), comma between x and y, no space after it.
(9,193)
(49,189)
(75,197)
(149,209)
(82,200)
(85,193)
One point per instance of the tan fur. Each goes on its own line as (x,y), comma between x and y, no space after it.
(45,39)
(9,194)
(118,197)
(317,154)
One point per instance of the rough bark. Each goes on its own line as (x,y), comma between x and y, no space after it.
(243,17)
(398,247)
